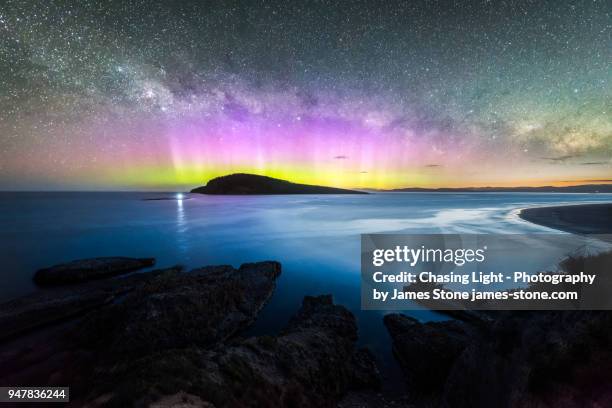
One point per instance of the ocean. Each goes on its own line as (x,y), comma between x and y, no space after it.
(316,238)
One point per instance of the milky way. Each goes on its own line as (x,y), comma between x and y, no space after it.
(165,95)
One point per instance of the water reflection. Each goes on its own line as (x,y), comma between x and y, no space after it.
(182,240)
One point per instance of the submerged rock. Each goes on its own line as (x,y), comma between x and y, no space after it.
(84,270)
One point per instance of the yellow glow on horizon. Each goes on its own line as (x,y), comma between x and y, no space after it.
(157,177)
(186,176)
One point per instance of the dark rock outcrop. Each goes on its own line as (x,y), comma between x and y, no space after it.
(84,270)
(539,359)
(177,310)
(243,184)
(62,334)
(170,337)
(510,358)
(57,304)
(313,362)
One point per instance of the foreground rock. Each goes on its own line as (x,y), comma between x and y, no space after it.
(58,304)
(427,350)
(313,362)
(116,319)
(242,184)
(85,270)
(175,309)
(539,359)
(169,337)
(511,359)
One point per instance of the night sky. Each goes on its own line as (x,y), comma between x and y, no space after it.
(165,95)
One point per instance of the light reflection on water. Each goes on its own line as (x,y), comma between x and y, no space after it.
(182,238)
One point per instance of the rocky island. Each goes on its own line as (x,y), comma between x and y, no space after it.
(251,184)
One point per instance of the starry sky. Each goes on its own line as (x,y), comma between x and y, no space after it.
(155,95)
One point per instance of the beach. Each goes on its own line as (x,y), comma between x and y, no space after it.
(577,219)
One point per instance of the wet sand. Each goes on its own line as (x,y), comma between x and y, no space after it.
(577,219)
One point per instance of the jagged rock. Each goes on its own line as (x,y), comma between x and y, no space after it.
(60,335)
(84,270)
(170,338)
(313,362)
(539,359)
(511,358)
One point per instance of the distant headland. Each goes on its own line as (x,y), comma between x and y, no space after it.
(252,184)
(582,188)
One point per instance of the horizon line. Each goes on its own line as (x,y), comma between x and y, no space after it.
(608,183)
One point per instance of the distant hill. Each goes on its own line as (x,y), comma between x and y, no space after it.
(246,184)
(585,188)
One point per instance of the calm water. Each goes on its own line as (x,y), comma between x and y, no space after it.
(316,238)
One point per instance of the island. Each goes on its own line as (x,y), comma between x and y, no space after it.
(252,184)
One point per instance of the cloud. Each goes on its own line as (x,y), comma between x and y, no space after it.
(432,165)
(341,157)
(597,163)
(588,181)
(558,159)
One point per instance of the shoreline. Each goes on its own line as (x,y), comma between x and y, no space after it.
(575,218)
